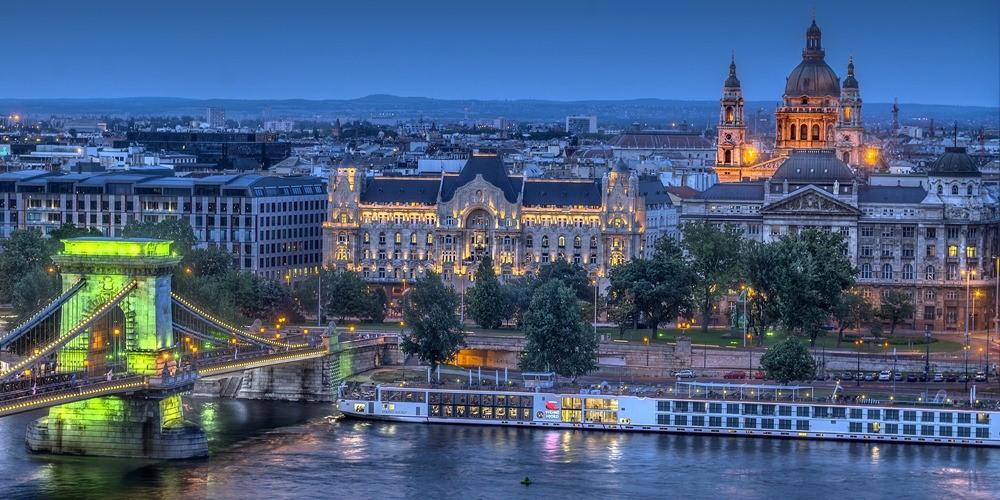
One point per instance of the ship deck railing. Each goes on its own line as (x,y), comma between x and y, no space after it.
(696,391)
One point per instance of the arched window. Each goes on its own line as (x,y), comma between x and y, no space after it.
(929,273)
(968,190)
(367,237)
(727,157)
(430,239)
(847,113)
(413,238)
(847,157)
(529,241)
(545,241)
(593,242)
(887,271)
(791,132)
(908,272)
(729,113)
(866,271)
(815,134)
(954,189)
(381,238)
(577,242)
(803,132)
(398,238)
(940,189)
(562,242)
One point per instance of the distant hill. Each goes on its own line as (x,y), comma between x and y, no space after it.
(616,112)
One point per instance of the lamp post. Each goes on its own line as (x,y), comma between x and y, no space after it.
(966,349)
(596,288)
(927,356)
(319,298)
(857,375)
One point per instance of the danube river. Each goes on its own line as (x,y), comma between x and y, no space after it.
(288,450)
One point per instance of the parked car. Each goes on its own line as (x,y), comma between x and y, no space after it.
(884,376)
(821,376)
(951,377)
(737,375)
(911,377)
(898,376)
(869,377)
(980,376)
(847,376)
(684,374)
(758,375)
(938,377)
(963,378)
(922,377)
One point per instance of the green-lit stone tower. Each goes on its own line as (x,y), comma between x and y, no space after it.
(135,273)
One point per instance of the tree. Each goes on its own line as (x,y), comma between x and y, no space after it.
(572,275)
(622,310)
(788,361)
(24,251)
(518,293)
(177,230)
(713,253)
(661,286)
(813,272)
(35,289)
(485,300)
(759,266)
(345,295)
(896,307)
(557,338)
(375,306)
(851,311)
(430,313)
(67,231)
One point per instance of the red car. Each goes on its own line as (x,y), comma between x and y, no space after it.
(758,375)
(735,375)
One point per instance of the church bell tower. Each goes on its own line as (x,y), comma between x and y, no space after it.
(731,141)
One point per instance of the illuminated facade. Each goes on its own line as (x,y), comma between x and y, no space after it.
(393,229)
(928,235)
(815,114)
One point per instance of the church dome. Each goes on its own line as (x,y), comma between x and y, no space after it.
(850,82)
(955,162)
(813,77)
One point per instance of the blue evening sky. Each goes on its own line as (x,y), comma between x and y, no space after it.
(919,51)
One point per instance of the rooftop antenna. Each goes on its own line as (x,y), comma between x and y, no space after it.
(955,134)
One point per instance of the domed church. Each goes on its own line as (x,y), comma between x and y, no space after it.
(816,112)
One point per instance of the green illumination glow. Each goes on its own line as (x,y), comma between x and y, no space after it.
(133,247)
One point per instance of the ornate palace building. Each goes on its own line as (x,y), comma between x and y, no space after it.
(815,113)
(393,229)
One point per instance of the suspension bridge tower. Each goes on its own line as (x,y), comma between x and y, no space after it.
(119,325)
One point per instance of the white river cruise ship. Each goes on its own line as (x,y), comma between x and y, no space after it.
(688,408)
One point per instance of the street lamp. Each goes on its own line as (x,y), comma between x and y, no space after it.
(596,288)
(857,375)
(966,349)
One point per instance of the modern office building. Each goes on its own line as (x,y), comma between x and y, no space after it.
(235,150)
(271,225)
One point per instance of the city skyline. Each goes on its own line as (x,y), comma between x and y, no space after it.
(453,51)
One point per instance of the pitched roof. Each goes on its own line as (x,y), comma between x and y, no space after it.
(560,193)
(891,194)
(684,192)
(661,140)
(490,167)
(389,190)
(653,191)
(813,166)
(733,191)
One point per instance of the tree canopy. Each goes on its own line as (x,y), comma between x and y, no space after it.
(896,307)
(851,311)
(661,286)
(713,252)
(557,337)
(177,230)
(788,361)
(485,299)
(430,315)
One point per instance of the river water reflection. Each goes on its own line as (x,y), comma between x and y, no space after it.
(281,450)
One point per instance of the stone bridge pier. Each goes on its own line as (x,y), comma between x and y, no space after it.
(316,379)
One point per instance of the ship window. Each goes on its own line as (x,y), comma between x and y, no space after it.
(964,432)
(854,427)
(982,432)
(802,425)
(750,423)
(874,427)
(945,431)
(894,429)
(662,419)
